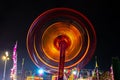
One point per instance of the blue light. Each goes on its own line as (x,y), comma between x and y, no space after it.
(40,71)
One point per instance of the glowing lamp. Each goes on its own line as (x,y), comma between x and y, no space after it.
(40,71)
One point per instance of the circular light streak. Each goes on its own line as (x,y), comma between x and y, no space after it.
(72,26)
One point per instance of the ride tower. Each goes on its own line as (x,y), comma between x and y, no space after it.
(61,38)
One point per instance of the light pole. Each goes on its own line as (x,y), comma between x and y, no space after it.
(5,58)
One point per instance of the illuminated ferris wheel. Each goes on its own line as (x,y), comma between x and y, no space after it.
(61,38)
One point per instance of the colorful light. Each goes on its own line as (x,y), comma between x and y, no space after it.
(111,70)
(40,71)
(14,69)
(42,38)
(74,72)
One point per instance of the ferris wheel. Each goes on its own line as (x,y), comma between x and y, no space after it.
(61,38)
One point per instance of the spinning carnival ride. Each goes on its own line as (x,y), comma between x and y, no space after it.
(61,38)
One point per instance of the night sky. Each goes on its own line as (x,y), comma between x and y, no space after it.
(17,16)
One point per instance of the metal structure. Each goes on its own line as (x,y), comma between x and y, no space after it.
(61,38)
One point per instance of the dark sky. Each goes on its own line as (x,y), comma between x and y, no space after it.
(17,16)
